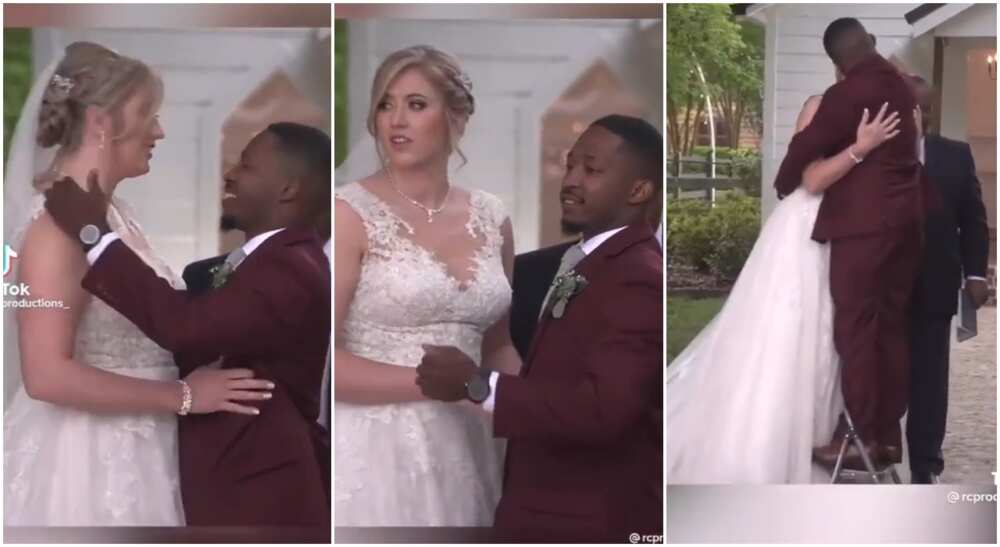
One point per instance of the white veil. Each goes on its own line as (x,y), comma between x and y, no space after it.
(25,160)
(361,161)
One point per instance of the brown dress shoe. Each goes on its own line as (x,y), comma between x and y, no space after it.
(890,454)
(826,455)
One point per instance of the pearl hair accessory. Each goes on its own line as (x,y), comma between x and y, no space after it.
(61,83)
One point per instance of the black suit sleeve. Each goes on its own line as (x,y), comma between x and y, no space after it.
(974,233)
(198,275)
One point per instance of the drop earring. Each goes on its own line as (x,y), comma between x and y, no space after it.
(101,145)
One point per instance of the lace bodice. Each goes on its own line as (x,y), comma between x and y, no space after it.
(105,338)
(406,295)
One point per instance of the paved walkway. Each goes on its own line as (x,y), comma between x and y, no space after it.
(970,445)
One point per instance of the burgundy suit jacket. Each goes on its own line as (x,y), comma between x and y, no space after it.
(584,418)
(887,188)
(273,316)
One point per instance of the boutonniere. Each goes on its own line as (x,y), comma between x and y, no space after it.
(567,286)
(220,273)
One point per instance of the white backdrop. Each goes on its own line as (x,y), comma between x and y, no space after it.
(206,74)
(518,68)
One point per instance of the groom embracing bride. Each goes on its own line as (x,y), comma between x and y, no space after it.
(748,401)
(260,464)
(873,220)
(143,404)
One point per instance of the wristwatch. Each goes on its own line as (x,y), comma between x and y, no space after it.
(90,235)
(477,389)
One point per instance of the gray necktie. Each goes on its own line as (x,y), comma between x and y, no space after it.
(570,259)
(232,261)
(235,258)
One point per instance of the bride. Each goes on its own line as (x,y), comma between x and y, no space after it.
(90,435)
(758,388)
(418,261)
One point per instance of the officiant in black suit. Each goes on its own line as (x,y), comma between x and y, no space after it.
(956,249)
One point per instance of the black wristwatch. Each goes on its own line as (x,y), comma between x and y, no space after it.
(477,389)
(90,235)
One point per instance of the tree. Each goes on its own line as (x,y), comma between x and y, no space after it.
(739,97)
(729,54)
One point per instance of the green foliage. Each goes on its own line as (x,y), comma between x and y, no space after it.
(747,169)
(713,240)
(340,35)
(686,317)
(689,237)
(729,54)
(16,79)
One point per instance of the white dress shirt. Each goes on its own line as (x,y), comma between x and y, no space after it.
(588,246)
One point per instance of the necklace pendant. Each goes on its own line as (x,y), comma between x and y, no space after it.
(430,217)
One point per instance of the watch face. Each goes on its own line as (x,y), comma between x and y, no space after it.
(478,389)
(90,234)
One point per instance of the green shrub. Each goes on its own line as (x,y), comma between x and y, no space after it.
(747,169)
(713,240)
(689,237)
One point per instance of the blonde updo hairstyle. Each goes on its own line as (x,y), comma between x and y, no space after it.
(444,72)
(92,75)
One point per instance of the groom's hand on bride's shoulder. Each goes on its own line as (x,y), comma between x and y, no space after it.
(443,373)
(72,207)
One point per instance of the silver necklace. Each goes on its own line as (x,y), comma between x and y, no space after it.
(430,212)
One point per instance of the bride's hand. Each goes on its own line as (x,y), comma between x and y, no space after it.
(872,133)
(218,390)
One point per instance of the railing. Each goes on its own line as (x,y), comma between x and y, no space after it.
(702,178)
(704,164)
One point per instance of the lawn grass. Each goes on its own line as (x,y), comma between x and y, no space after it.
(686,317)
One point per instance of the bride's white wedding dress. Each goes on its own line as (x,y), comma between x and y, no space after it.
(421,463)
(70,467)
(759,387)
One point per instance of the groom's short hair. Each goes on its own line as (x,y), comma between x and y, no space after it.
(307,147)
(307,151)
(642,139)
(838,40)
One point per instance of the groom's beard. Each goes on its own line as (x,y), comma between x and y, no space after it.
(227,223)
(570,228)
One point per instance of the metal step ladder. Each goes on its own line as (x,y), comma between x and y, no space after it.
(871,473)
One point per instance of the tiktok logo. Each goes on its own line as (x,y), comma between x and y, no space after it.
(8,259)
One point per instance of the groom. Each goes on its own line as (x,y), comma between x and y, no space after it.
(533,275)
(873,220)
(269,311)
(584,417)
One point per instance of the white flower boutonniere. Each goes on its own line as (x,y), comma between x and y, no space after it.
(220,273)
(566,286)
